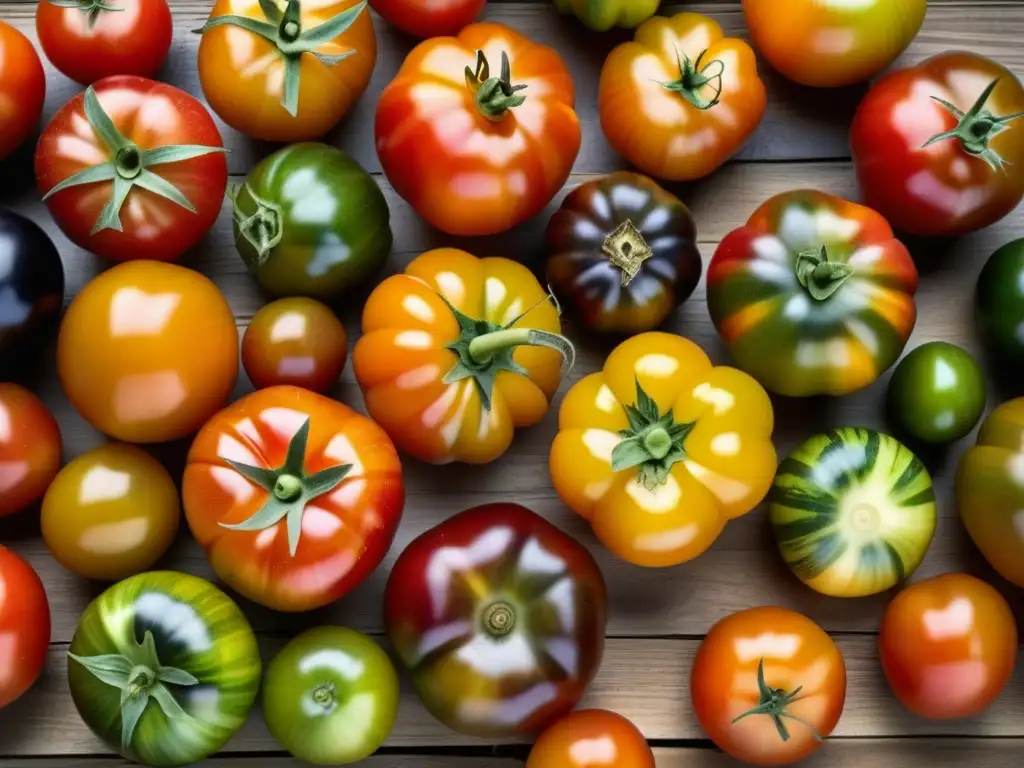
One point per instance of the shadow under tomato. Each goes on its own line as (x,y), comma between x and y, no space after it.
(18,172)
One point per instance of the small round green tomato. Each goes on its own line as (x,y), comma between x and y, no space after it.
(937,393)
(330,696)
(999,304)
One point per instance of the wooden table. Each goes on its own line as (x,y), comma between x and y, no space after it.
(657,618)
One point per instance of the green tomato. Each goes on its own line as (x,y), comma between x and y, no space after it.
(937,393)
(999,304)
(331,696)
(309,221)
(164,668)
(853,512)
(602,15)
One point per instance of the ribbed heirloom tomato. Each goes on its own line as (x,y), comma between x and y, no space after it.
(478,132)
(30,448)
(22,89)
(24,626)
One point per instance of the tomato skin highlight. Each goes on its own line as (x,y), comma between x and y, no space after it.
(132,40)
(948,646)
(24,625)
(22,89)
(591,738)
(429,18)
(30,448)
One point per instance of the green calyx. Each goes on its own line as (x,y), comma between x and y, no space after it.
(494,95)
(653,443)
(91,8)
(485,349)
(977,127)
(818,275)
(283,29)
(128,167)
(141,678)
(289,489)
(263,229)
(774,703)
(699,83)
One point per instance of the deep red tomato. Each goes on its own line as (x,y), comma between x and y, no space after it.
(24,626)
(22,89)
(429,18)
(939,148)
(948,646)
(591,738)
(133,169)
(88,40)
(30,448)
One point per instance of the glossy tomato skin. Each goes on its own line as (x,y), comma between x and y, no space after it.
(658,128)
(24,625)
(602,15)
(242,74)
(110,513)
(948,646)
(330,696)
(341,536)
(464,172)
(514,585)
(30,448)
(31,291)
(133,39)
(827,44)
(151,115)
(796,653)
(941,189)
(999,305)
(591,738)
(295,341)
(429,18)
(22,89)
(148,351)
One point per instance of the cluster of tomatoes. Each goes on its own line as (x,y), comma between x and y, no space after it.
(498,616)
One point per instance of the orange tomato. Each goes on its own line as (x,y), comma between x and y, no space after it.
(681,98)
(24,627)
(30,448)
(948,646)
(591,738)
(459,143)
(22,89)
(148,351)
(767,685)
(245,75)
(110,513)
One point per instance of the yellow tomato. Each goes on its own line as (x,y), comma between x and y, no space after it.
(110,513)
(660,449)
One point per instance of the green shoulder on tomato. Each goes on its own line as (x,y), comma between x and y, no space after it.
(602,15)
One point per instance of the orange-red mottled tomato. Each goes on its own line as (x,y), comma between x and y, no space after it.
(24,626)
(591,738)
(30,448)
(22,89)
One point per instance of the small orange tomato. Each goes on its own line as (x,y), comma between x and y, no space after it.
(591,738)
(767,685)
(30,448)
(22,89)
(148,351)
(110,513)
(948,646)
(295,341)
(681,98)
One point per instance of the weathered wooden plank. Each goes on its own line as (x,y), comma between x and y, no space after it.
(861,753)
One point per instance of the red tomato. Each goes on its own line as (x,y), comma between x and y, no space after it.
(948,646)
(24,626)
(939,148)
(159,160)
(88,40)
(591,738)
(429,18)
(768,684)
(22,89)
(30,448)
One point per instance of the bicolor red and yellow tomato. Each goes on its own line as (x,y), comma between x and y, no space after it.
(828,44)
(22,89)
(30,448)
(24,626)
(148,351)
(429,18)
(591,738)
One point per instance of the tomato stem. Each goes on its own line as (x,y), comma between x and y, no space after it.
(325,696)
(288,488)
(627,250)
(653,443)
(128,162)
(976,128)
(774,703)
(695,78)
(495,96)
(263,229)
(91,8)
(658,443)
(499,619)
(820,276)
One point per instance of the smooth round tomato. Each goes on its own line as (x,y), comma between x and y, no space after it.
(24,626)
(295,341)
(948,646)
(429,18)
(110,513)
(133,169)
(22,89)
(591,738)
(828,44)
(148,351)
(88,40)
(30,448)
(298,78)
(768,684)
(330,697)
